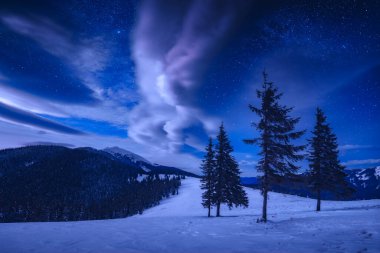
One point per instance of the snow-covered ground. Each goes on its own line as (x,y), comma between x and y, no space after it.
(180,224)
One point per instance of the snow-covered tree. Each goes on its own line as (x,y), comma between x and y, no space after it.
(207,180)
(277,129)
(227,175)
(326,173)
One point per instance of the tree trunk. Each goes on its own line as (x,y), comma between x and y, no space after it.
(319,200)
(265,200)
(209,210)
(218,209)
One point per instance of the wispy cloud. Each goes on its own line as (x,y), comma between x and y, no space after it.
(247,162)
(362,162)
(353,147)
(87,56)
(170,66)
(20,116)
(17,98)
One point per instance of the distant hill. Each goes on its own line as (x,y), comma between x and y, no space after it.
(249,181)
(365,182)
(132,157)
(54,183)
(139,162)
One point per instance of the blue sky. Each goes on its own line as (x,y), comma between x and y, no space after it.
(158,77)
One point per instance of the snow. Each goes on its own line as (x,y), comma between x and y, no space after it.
(361,175)
(377,172)
(145,168)
(179,224)
(161,176)
(134,157)
(141,177)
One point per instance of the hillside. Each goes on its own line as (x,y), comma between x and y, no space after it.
(179,224)
(364,182)
(141,163)
(53,183)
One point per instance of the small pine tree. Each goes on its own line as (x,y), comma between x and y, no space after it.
(276,130)
(207,180)
(227,175)
(326,173)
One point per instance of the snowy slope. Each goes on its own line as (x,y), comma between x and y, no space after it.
(139,162)
(179,225)
(279,206)
(132,156)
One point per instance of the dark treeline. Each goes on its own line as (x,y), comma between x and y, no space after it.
(299,185)
(49,183)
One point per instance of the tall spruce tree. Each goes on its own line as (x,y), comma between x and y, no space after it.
(277,130)
(207,180)
(326,173)
(227,175)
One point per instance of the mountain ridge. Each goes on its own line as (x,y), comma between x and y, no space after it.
(134,159)
(54,183)
(365,182)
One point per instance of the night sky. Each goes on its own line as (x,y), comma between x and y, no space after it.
(158,77)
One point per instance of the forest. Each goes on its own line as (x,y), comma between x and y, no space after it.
(52,183)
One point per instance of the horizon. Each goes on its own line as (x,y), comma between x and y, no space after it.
(88,74)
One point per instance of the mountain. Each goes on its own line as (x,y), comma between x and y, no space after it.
(133,159)
(125,154)
(249,181)
(30,157)
(55,183)
(365,182)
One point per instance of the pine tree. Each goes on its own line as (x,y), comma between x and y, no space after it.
(326,173)
(276,129)
(207,180)
(227,175)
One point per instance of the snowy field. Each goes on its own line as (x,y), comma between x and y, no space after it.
(180,224)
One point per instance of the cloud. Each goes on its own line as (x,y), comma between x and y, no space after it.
(70,83)
(195,143)
(86,56)
(20,116)
(21,99)
(170,66)
(110,110)
(247,162)
(361,162)
(353,147)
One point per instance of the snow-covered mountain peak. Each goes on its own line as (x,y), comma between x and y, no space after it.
(132,156)
(377,172)
(362,175)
